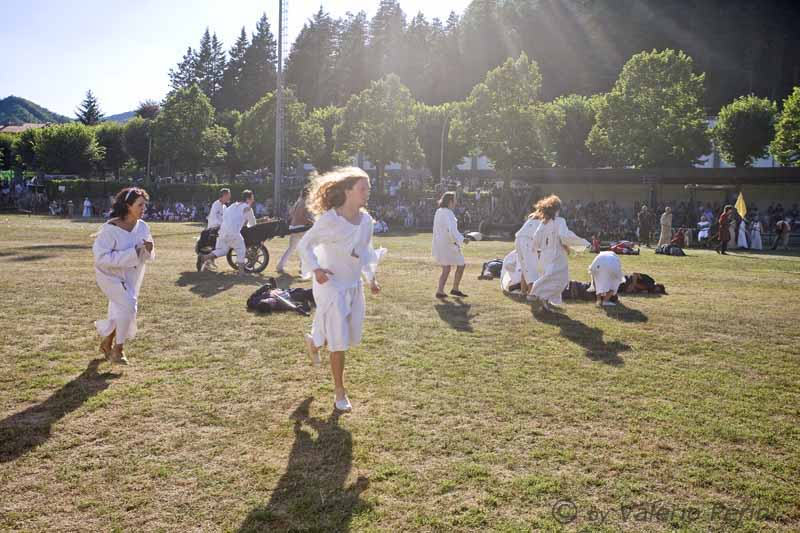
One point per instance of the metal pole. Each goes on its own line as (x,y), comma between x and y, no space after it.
(441,155)
(278,171)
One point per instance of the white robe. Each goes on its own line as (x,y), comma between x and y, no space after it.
(550,239)
(742,241)
(606,273)
(345,249)
(215,214)
(527,255)
(87,208)
(119,271)
(732,243)
(512,272)
(666,229)
(755,236)
(447,240)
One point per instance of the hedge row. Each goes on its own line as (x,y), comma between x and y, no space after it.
(77,189)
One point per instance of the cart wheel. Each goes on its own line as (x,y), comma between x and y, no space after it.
(257,259)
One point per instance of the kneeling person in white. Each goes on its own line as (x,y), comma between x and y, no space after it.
(336,252)
(230,232)
(607,276)
(122,247)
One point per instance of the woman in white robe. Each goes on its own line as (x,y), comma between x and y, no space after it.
(554,240)
(121,248)
(607,276)
(666,227)
(336,253)
(742,240)
(755,236)
(511,273)
(87,208)
(447,243)
(527,255)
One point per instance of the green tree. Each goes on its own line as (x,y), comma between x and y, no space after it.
(259,74)
(653,116)
(351,65)
(433,125)
(231,91)
(26,148)
(506,120)
(255,136)
(148,109)
(570,140)
(111,137)
(327,155)
(309,69)
(184,75)
(744,129)
(136,139)
(386,50)
(786,145)
(213,144)
(89,112)
(7,151)
(379,122)
(178,130)
(69,149)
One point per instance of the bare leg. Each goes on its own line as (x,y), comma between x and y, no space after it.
(443,279)
(118,355)
(337,370)
(107,343)
(457,277)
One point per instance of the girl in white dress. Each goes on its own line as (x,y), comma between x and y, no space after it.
(121,248)
(447,242)
(742,241)
(335,253)
(607,276)
(666,227)
(755,236)
(554,240)
(528,257)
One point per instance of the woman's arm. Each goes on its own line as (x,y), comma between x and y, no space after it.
(106,256)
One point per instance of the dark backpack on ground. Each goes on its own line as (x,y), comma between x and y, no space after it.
(263,302)
(492,269)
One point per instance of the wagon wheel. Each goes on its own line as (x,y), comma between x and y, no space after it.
(256,261)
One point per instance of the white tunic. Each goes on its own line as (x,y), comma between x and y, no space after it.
(550,238)
(732,243)
(742,241)
(606,273)
(119,271)
(235,217)
(447,240)
(755,236)
(333,243)
(87,208)
(215,215)
(512,272)
(666,229)
(527,256)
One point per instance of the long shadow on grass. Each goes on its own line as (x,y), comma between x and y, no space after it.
(311,495)
(625,314)
(591,339)
(24,431)
(456,314)
(208,284)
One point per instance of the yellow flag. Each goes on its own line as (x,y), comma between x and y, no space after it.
(741,207)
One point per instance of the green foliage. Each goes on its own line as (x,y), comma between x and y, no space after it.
(309,69)
(653,116)
(178,131)
(213,144)
(379,122)
(7,151)
(148,109)
(569,141)
(89,112)
(325,156)
(432,123)
(136,139)
(505,119)
(26,148)
(744,129)
(258,76)
(16,110)
(786,145)
(68,149)
(111,137)
(255,136)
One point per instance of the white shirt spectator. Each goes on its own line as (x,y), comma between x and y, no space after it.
(215,215)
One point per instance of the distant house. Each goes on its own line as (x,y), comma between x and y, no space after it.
(19,128)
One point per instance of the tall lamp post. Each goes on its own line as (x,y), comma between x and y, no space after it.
(283,9)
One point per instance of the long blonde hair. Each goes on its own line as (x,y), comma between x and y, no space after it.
(547,208)
(329,190)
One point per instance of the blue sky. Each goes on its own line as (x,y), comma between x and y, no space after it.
(122,50)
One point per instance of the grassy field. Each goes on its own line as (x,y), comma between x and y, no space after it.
(680,411)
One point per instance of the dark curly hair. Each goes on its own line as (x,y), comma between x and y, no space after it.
(126,198)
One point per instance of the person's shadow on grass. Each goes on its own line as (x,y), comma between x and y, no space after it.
(456,314)
(24,431)
(311,495)
(208,284)
(591,339)
(624,313)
